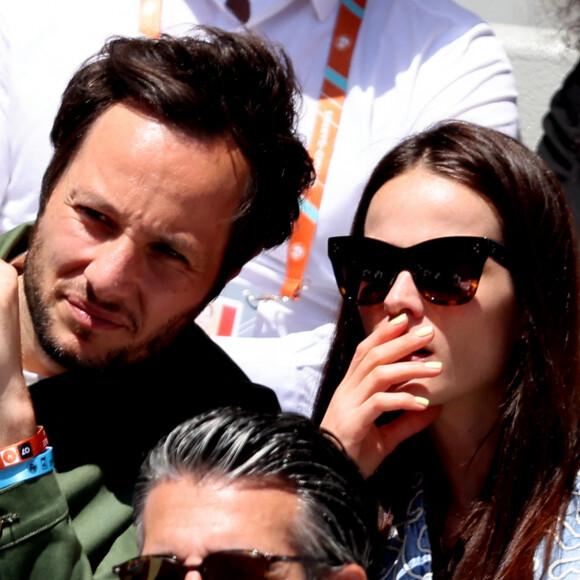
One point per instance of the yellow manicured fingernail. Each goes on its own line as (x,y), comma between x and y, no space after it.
(425,331)
(422,401)
(399,319)
(433,364)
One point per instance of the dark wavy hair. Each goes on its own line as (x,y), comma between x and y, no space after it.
(210,85)
(537,457)
(285,451)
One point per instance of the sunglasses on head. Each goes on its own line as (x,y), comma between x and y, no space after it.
(445,270)
(224,565)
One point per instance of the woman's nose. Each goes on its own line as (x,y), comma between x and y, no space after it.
(404,297)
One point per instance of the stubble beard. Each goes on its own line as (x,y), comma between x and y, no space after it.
(40,303)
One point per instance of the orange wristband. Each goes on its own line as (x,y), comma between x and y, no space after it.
(24,450)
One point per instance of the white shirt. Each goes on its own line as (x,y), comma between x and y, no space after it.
(416,62)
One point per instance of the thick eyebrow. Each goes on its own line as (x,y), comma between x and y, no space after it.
(86,197)
(176,241)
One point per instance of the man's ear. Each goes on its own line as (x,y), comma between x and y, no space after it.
(348,572)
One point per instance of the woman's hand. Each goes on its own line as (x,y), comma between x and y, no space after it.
(364,394)
(16,412)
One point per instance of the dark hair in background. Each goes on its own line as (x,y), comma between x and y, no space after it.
(209,85)
(537,457)
(287,451)
(569,12)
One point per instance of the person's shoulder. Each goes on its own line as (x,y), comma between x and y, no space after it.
(426,27)
(15,241)
(193,351)
(429,12)
(196,359)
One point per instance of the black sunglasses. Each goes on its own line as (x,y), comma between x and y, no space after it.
(445,270)
(238,564)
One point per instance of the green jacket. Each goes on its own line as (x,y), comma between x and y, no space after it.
(75,523)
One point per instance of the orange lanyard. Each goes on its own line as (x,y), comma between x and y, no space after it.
(330,103)
(150,18)
(322,142)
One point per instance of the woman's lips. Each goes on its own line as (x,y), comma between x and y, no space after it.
(419,355)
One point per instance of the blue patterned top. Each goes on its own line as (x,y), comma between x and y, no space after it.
(408,554)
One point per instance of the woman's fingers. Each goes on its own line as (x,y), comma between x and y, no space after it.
(380,379)
(370,388)
(366,442)
(374,357)
(381,336)
(354,407)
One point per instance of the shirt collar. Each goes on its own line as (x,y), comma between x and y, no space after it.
(324,8)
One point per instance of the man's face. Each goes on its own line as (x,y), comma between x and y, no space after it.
(131,240)
(189,520)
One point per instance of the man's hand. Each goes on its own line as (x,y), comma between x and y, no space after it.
(17,419)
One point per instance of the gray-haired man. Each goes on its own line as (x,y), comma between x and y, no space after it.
(246,495)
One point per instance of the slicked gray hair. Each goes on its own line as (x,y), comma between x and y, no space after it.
(338,522)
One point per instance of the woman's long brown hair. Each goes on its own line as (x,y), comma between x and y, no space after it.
(537,457)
